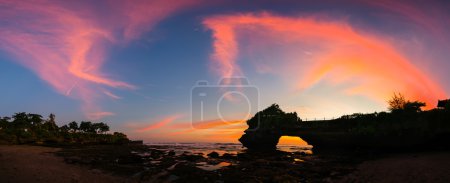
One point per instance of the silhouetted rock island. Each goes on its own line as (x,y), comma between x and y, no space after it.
(267,126)
(400,129)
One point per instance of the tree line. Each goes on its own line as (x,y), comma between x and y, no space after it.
(86,127)
(24,127)
(404,118)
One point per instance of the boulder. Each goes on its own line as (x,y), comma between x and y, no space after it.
(213,154)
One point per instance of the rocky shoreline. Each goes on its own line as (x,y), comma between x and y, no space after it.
(141,163)
(146,163)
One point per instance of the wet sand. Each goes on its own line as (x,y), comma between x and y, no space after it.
(39,164)
(416,167)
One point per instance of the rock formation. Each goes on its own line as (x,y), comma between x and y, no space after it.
(267,126)
(394,131)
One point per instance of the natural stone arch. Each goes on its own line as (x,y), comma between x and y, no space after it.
(267,126)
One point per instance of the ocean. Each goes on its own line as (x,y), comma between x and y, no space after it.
(220,148)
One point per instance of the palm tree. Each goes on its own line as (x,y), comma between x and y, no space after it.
(21,121)
(35,119)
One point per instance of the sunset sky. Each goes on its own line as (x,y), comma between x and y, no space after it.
(134,64)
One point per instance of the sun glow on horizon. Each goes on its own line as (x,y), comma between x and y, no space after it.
(291,140)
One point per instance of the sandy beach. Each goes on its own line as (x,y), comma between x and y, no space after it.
(416,167)
(19,163)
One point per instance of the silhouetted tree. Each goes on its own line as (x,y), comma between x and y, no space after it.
(96,127)
(102,128)
(35,119)
(4,122)
(86,127)
(50,124)
(20,121)
(119,138)
(31,128)
(73,126)
(51,118)
(64,128)
(397,102)
(6,119)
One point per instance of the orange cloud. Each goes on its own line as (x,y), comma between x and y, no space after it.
(218,123)
(65,43)
(319,50)
(159,124)
(182,132)
(209,131)
(231,136)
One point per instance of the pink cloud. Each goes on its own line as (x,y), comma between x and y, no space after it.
(64,42)
(315,50)
(108,93)
(219,123)
(99,115)
(159,124)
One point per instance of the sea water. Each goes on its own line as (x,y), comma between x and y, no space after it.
(220,148)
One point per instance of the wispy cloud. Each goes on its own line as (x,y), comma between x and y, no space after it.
(159,124)
(219,123)
(108,93)
(213,130)
(99,115)
(337,53)
(65,43)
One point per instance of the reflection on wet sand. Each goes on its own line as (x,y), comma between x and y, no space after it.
(216,156)
(209,167)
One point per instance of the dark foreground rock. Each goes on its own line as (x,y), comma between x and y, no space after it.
(143,163)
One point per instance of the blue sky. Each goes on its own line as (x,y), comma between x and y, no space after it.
(135,68)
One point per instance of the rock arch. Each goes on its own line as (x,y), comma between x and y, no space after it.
(267,126)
